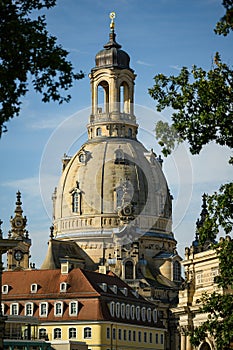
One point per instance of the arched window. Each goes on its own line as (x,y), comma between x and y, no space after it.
(124,98)
(75,202)
(112,308)
(130,132)
(14,309)
(103,97)
(127,311)
(87,333)
(205,346)
(98,132)
(176,271)
(57,333)
(129,270)
(118,307)
(138,313)
(43,333)
(58,308)
(143,313)
(122,310)
(72,333)
(29,309)
(73,308)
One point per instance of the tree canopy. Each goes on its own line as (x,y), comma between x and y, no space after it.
(202,104)
(29,53)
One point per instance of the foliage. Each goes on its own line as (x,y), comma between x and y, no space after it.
(219,215)
(203,108)
(225,25)
(203,112)
(29,52)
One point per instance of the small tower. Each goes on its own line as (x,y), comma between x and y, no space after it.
(18,257)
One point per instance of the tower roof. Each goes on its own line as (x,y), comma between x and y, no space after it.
(112,55)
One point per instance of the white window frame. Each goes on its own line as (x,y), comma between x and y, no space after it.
(148,314)
(123,310)
(12,306)
(44,334)
(43,303)
(112,308)
(5,289)
(59,312)
(154,315)
(118,309)
(29,304)
(143,313)
(127,311)
(34,287)
(76,308)
(3,308)
(132,312)
(138,312)
(63,287)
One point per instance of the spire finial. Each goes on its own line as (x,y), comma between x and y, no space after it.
(112,15)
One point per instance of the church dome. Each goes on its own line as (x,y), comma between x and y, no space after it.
(113,190)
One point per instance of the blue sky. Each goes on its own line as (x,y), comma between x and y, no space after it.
(160,36)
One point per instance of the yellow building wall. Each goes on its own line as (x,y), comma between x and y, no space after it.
(102,336)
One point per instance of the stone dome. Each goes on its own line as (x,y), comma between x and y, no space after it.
(108,185)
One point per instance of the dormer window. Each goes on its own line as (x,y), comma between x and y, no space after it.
(124,291)
(73,308)
(14,309)
(112,308)
(34,288)
(149,314)
(154,315)
(58,308)
(103,286)
(63,287)
(143,313)
(43,309)
(29,309)
(127,311)
(5,289)
(114,289)
(138,313)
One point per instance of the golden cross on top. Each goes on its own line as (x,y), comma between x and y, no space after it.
(112,16)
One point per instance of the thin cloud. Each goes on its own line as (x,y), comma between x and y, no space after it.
(144,63)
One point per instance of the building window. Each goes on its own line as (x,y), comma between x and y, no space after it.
(63,287)
(154,315)
(149,314)
(138,313)
(161,338)
(58,308)
(145,337)
(139,336)
(132,312)
(43,309)
(73,308)
(130,133)
(176,271)
(119,334)
(14,309)
(108,333)
(72,333)
(129,270)
(114,333)
(156,338)
(43,333)
(5,289)
(134,335)
(150,337)
(143,312)
(34,288)
(87,333)
(125,334)
(29,309)
(112,308)
(129,335)
(98,132)
(123,310)
(118,307)
(75,202)
(127,311)
(3,308)
(57,333)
